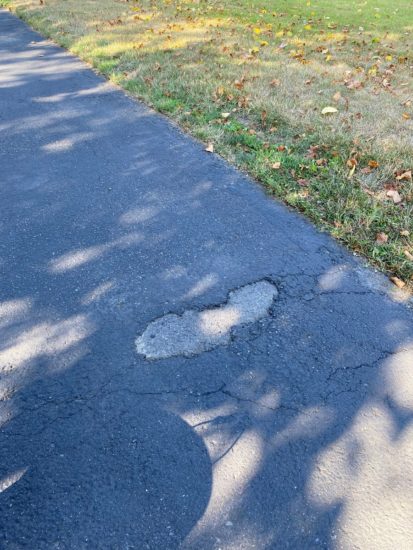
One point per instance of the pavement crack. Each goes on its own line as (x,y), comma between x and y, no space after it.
(384,355)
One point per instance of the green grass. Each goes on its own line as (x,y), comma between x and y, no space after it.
(252,77)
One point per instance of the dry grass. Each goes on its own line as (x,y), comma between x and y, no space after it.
(254,81)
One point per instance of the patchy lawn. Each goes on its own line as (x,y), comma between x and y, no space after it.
(313,98)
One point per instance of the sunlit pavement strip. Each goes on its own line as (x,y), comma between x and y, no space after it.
(197,331)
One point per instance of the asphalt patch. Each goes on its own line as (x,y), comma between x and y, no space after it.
(195,332)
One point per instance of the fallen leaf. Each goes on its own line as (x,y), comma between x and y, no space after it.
(337,97)
(353,84)
(303,182)
(275,82)
(312,152)
(408,255)
(405,176)
(329,111)
(352,162)
(209,148)
(351,173)
(373,164)
(405,233)
(225,115)
(381,238)
(398,282)
(276,165)
(394,195)
(264,118)
(406,116)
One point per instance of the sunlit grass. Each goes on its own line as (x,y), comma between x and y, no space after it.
(253,77)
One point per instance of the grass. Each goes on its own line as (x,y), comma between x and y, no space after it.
(253,77)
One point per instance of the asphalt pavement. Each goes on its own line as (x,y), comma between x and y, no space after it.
(287,424)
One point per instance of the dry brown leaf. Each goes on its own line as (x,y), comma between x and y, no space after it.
(209,148)
(398,282)
(276,165)
(337,97)
(353,84)
(381,238)
(408,255)
(405,233)
(405,176)
(373,164)
(394,195)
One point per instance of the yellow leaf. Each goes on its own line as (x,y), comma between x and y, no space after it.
(329,111)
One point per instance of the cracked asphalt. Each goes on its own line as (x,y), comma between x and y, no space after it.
(296,434)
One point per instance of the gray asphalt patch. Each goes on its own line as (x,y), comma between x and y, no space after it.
(195,332)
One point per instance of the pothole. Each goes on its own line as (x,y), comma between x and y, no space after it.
(195,332)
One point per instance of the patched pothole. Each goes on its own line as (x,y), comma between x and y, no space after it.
(195,332)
